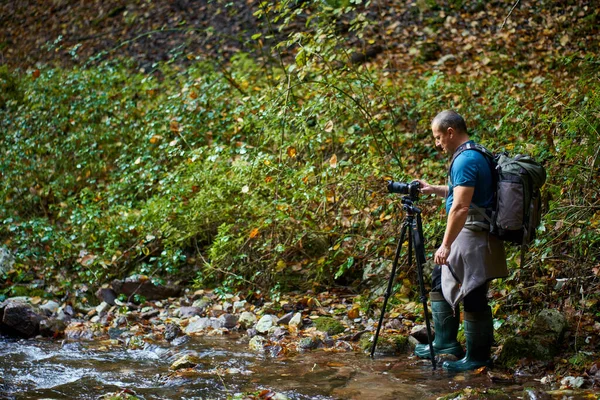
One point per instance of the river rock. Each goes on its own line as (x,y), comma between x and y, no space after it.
(21,318)
(78,331)
(419,332)
(172,331)
(550,323)
(188,312)
(239,306)
(52,327)
(257,343)
(285,319)
(187,361)
(247,319)
(228,321)
(150,314)
(308,343)
(145,288)
(200,325)
(265,323)
(106,295)
(202,303)
(49,308)
(296,321)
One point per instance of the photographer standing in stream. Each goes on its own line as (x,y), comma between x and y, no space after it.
(469,257)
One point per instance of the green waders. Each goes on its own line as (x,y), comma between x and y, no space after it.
(445,323)
(479,335)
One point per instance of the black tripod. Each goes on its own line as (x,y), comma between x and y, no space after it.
(412,221)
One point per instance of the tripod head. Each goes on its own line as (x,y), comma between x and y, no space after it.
(409,206)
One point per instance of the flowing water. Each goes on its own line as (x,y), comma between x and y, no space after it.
(34,369)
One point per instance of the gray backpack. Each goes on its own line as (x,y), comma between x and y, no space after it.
(516,212)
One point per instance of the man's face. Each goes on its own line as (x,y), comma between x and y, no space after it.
(442,139)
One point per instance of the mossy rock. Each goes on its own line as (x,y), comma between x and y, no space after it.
(386,344)
(330,325)
(516,348)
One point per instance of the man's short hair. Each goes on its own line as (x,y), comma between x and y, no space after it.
(450,119)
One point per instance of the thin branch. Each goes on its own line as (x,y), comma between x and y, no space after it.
(510,12)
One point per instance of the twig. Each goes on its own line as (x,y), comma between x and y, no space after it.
(508,16)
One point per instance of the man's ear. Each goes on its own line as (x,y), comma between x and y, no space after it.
(450,131)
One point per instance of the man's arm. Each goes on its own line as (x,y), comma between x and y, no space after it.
(438,190)
(456,221)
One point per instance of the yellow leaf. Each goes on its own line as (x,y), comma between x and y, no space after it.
(333,161)
(155,139)
(281,265)
(174,126)
(291,152)
(253,233)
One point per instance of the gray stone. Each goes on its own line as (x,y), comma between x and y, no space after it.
(285,319)
(202,303)
(549,323)
(107,295)
(188,312)
(239,306)
(202,324)
(247,319)
(308,343)
(52,327)
(22,319)
(145,288)
(49,308)
(265,323)
(172,331)
(228,321)
(296,321)
(150,314)
(419,332)
(187,361)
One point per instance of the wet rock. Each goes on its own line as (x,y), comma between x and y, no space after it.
(180,340)
(188,312)
(279,333)
(419,332)
(296,321)
(49,308)
(52,327)
(251,332)
(257,343)
(571,382)
(172,331)
(265,323)
(308,343)
(187,361)
(145,288)
(102,308)
(395,324)
(78,331)
(21,318)
(106,295)
(201,324)
(228,321)
(247,319)
(285,319)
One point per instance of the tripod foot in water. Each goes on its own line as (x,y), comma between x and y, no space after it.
(445,323)
(479,334)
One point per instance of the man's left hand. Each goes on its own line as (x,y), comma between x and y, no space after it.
(441,255)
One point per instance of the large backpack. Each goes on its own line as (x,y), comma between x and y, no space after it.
(516,212)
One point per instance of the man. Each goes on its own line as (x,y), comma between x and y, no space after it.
(469,257)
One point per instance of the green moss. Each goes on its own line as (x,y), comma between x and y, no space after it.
(386,344)
(330,325)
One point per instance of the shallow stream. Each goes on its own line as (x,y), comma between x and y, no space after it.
(34,369)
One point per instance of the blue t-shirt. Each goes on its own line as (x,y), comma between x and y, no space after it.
(471,169)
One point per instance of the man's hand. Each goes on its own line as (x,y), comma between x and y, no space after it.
(425,187)
(441,255)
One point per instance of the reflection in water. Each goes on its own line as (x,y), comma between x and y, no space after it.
(32,369)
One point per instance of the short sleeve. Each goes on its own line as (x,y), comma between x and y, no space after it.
(464,170)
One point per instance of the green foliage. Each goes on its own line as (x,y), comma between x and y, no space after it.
(263,177)
(330,325)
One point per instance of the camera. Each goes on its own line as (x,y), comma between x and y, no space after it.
(411,189)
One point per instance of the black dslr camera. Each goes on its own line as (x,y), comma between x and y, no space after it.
(411,189)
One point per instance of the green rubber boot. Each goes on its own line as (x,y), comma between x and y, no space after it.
(479,334)
(445,323)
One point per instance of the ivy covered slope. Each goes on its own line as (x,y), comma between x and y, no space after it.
(269,174)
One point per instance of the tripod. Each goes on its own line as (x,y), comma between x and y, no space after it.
(412,221)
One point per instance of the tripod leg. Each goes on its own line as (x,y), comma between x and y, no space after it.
(389,286)
(417,239)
